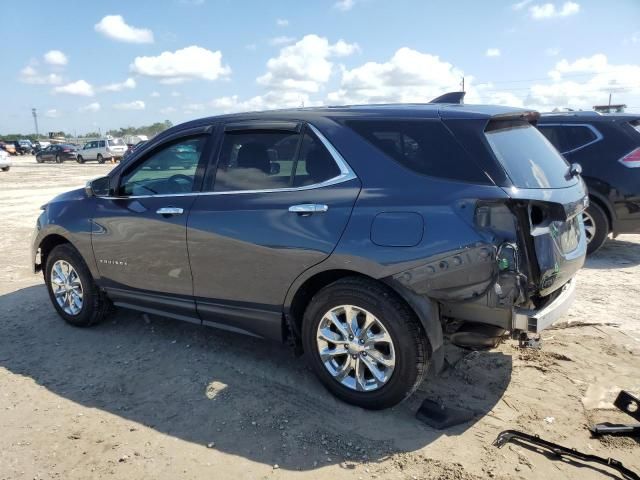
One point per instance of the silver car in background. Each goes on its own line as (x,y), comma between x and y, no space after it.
(5,161)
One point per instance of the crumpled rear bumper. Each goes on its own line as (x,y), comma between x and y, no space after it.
(534,321)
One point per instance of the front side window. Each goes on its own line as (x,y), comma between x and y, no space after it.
(266,160)
(169,170)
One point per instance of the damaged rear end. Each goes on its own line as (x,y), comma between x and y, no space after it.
(520,276)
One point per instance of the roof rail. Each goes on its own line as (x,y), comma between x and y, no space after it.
(574,113)
(450,97)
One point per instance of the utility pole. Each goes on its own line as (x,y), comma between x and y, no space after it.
(609,102)
(463,84)
(35,120)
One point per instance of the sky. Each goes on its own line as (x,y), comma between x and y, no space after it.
(107,64)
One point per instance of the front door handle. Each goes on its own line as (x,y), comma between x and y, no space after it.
(306,209)
(169,211)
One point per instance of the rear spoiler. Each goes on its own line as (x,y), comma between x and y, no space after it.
(451,97)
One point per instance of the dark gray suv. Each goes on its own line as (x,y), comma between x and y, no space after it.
(356,234)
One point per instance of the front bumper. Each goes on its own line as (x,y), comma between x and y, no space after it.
(534,321)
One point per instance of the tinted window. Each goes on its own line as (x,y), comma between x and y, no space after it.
(115,141)
(101,143)
(424,146)
(171,169)
(528,158)
(315,164)
(568,137)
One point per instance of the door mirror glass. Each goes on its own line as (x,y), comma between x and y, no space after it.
(98,187)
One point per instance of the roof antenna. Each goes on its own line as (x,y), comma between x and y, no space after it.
(451,97)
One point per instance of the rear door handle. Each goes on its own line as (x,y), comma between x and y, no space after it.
(169,211)
(305,209)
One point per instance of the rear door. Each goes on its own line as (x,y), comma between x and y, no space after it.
(279,197)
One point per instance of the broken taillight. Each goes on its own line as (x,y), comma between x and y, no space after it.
(631,159)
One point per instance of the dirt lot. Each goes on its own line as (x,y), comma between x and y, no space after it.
(147,397)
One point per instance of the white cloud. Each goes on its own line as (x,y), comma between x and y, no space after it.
(119,86)
(30,75)
(92,107)
(135,105)
(55,57)
(521,5)
(408,76)
(282,22)
(282,40)
(81,87)
(114,27)
(305,66)
(154,94)
(166,110)
(344,5)
(175,94)
(193,108)
(552,51)
(52,113)
(492,52)
(635,37)
(549,10)
(268,101)
(181,65)
(585,82)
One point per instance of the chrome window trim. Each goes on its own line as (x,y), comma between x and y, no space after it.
(346,174)
(593,129)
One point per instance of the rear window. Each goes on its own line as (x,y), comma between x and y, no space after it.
(526,155)
(424,146)
(115,141)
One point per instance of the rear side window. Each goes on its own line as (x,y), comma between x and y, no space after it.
(568,137)
(526,155)
(266,160)
(424,146)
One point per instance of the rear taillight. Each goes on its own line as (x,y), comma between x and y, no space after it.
(631,159)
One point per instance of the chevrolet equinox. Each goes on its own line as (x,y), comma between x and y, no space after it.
(357,234)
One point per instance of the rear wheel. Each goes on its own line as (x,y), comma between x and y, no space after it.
(100,159)
(39,159)
(5,169)
(58,159)
(364,343)
(596,227)
(80,159)
(72,290)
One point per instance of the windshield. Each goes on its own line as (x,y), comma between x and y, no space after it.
(527,156)
(116,141)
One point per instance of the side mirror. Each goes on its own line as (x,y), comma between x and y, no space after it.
(98,187)
(575,169)
(275,168)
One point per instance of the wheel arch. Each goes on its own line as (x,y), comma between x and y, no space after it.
(425,309)
(46,245)
(604,205)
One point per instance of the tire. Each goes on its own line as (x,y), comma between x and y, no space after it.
(5,169)
(596,226)
(94,304)
(410,344)
(100,158)
(58,159)
(39,160)
(79,159)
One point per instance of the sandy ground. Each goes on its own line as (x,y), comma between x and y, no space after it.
(147,397)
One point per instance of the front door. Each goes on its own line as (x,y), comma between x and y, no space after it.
(279,204)
(139,235)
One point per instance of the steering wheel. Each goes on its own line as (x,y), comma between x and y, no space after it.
(182,182)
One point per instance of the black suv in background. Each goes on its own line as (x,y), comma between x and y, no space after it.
(608,148)
(354,233)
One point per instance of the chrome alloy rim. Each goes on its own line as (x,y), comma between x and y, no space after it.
(355,348)
(589,226)
(66,286)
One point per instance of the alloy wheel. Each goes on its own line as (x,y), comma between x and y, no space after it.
(66,287)
(589,226)
(356,348)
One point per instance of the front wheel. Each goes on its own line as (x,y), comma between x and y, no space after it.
(79,159)
(58,159)
(100,159)
(596,227)
(72,290)
(364,343)
(5,169)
